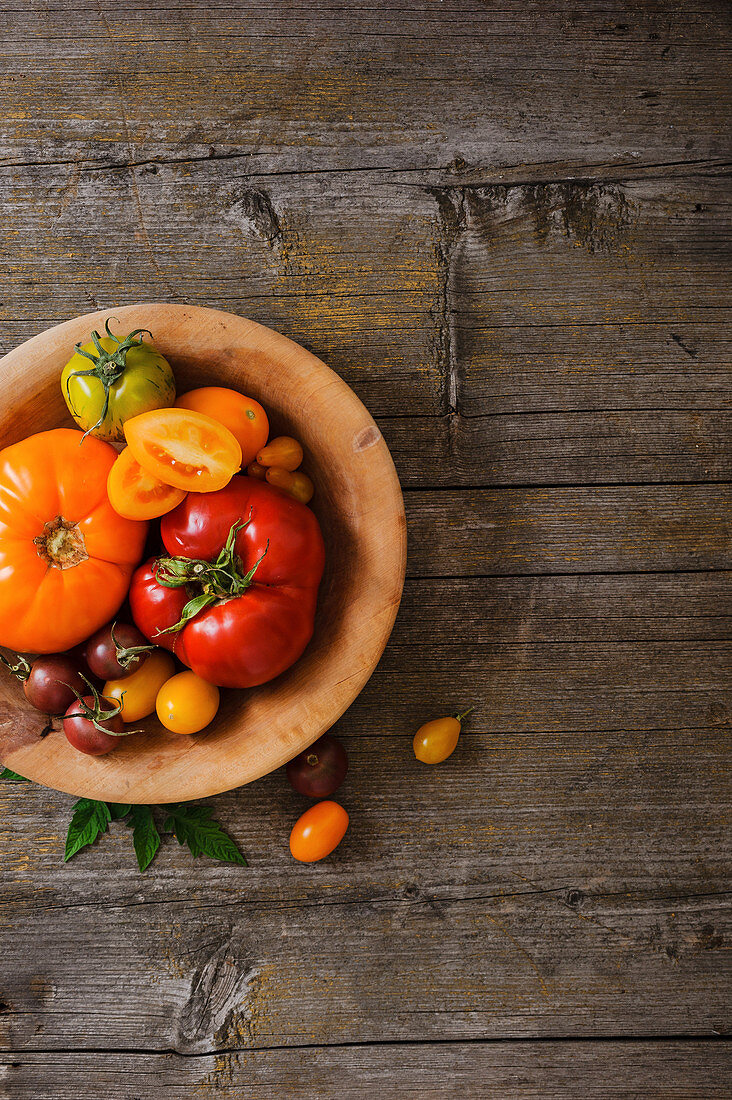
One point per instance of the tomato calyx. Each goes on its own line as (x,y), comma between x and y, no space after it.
(21,671)
(127,655)
(61,544)
(109,366)
(220,579)
(96,714)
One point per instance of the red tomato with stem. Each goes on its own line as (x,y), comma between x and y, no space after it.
(235,600)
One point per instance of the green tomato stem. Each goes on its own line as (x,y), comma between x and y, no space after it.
(465,714)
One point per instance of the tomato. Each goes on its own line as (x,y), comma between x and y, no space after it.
(136,494)
(184,448)
(243,416)
(319,771)
(50,683)
(186,703)
(136,694)
(320,829)
(248,594)
(257,471)
(109,380)
(66,557)
(436,740)
(115,651)
(296,484)
(283,451)
(93,725)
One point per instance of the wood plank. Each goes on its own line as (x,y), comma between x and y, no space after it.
(491,1071)
(281,90)
(474,532)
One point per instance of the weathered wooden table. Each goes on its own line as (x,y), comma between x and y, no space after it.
(506,227)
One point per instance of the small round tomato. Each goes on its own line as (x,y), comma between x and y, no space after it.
(52,682)
(136,494)
(109,380)
(243,416)
(294,483)
(186,703)
(256,471)
(87,728)
(436,740)
(116,650)
(319,771)
(184,448)
(320,829)
(137,694)
(283,451)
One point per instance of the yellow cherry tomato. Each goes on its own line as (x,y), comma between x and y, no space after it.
(186,703)
(283,451)
(137,693)
(257,471)
(436,740)
(295,483)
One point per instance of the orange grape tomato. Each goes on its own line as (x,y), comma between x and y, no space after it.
(283,451)
(184,448)
(243,416)
(136,494)
(297,484)
(318,832)
(257,471)
(138,692)
(186,703)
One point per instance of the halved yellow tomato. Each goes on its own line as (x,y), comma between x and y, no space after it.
(136,494)
(184,448)
(242,415)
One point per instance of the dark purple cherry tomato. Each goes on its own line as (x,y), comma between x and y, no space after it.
(319,771)
(116,651)
(51,681)
(83,734)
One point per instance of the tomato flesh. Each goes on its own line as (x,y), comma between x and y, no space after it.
(136,494)
(184,448)
(318,832)
(243,416)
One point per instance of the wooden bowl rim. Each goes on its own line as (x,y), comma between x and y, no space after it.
(99,777)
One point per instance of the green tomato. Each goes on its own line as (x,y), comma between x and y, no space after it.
(108,381)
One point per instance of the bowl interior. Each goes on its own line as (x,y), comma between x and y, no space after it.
(358,503)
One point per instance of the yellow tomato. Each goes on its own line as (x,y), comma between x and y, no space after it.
(284,451)
(137,693)
(186,703)
(436,740)
(294,483)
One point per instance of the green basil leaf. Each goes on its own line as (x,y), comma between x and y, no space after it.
(13,777)
(88,820)
(191,825)
(145,835)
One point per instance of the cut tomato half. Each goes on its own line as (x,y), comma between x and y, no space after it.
(136,494)
(184,448)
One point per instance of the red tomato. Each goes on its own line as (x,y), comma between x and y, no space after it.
(84,735)
(66,557)
(318,832)
(241,638)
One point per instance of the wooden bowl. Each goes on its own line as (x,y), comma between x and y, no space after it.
(358,502)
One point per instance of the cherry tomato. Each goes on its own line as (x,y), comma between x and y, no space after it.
(282,451)
(186,703)
(83,734)
(50,683)
(184,448)
(136,494)
(257,471)
(244,417)
(137,694)
(295,483)
(436,740)
(319,771)
(116,650)
(320,829)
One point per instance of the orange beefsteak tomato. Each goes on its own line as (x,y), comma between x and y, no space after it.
(66,557)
